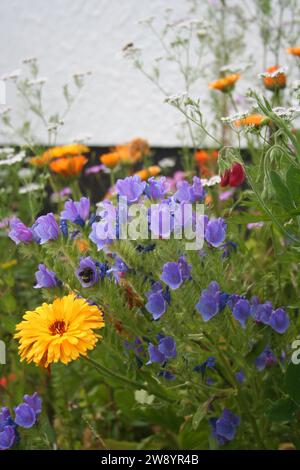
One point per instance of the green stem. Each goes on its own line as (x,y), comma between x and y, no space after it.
(132,383)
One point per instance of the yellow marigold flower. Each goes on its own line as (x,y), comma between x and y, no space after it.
(110,159)
(274,82)
(256,120)
(61,331)
(58,152)
(294,50)
(226,83)
(68,166)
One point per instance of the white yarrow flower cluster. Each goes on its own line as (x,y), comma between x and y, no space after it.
(234,117)
(274,74)
(288,114)
(211,181)
(11,159)
(30,187)
(176,99)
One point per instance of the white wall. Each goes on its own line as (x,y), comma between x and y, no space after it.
(67,36)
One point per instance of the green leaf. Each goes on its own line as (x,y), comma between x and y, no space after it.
(282,193)
(292,382)
(199,416)
(282,410)
(293,182)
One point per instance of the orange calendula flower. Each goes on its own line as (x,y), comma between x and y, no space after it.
(255,120)
(61,331)
(206,161)
(294,50)
(58,152)
(274,78)
(111,159)
(68,166)
(225,84)
(82,245)
(146,173)
(127,153)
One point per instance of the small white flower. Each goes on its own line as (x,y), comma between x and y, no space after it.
(234,117)
(25,173)
(211,181)
(30,187)
(176,99)
(288,114)
(4,111)
(80,75)
(82,138)
(236,68)
(29,60)
(149,20)
(12,159)
(274,74)
(37,81)
(167,163)
(12,75)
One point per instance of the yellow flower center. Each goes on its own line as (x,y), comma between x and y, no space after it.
(58,328)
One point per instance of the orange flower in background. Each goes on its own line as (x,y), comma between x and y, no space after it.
(294,50)
(206,161)
(275,79)
(146,173)
(255,120)
(226,83)
(110,159)
(68,166)
(127,153)
(58,152)
(82,245)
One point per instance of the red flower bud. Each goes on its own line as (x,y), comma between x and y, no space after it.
(233,177)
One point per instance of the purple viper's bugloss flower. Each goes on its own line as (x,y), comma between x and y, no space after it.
(7,437)
(131,187)
(189,193)
(209,302)
(242,311)
(266,358)
(279,320)
(240,376)
(19,233)
(224,428)
(34,401)
(157,301)
(5,418)
(261,312)
(45,229)
(210,362)
(45,278)
(165,350)
(100,234)
(87,272)
(215,232)
(76,211)
(174,274)
(171,275)
(156,189)
(25,416)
